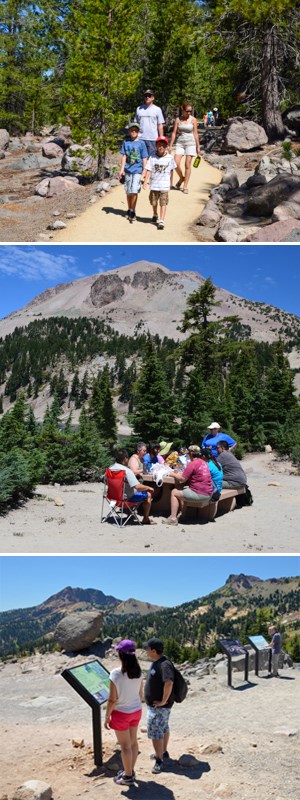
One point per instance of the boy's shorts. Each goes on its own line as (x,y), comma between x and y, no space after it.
(133,182)
(138,496)
(156,197)
(157,722)
(120,721)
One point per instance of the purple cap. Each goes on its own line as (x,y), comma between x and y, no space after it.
(126,646)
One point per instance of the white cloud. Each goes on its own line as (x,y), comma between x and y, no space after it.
(270,280)
(102,262)
(34,263)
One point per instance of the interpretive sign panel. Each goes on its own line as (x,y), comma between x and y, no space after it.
(259,642)
(91,681)
(93,677)
(231,648)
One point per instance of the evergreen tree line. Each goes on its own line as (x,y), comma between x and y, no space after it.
(88,62)
(173,393)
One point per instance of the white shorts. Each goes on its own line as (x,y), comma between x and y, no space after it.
(185,150)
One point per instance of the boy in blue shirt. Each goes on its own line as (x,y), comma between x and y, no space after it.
(133,162)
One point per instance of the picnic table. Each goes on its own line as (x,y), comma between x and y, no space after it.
(161,503)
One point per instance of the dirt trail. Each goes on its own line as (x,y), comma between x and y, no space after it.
(244,740)
(105,220)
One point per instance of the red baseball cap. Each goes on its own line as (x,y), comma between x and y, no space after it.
(162,139)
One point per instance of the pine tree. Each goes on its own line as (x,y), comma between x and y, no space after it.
(155,411)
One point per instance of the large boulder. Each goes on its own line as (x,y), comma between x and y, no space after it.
(52,150)
(79,630)
(285,231)
(243,135)
(81,160)
(33,161)
(49,187)
(291,118)
(210,216)
(4,139)
(263,199)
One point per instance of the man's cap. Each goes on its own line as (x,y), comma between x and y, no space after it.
(126,646)
(133,125)
(215,108)
(154,644)
(164,448)
(193,448)
(150,92)
(162,139)
(214,425)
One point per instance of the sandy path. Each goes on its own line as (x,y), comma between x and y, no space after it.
(105,221)
(248,755)
(270,525)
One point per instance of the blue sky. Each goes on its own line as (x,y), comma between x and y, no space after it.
(164,580)
(266,273)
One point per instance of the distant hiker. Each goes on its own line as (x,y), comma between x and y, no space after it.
(213,437)
(159,697)
(124,708)
(210,118)
(215,115)
(186,138)
(234,475)
(151,121)
(159,168)
(276,649)
(133,163)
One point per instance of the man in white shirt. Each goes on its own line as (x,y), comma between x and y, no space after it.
(151,121)
(134,491)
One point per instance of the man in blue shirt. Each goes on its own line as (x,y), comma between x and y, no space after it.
(133,162)
(211,439)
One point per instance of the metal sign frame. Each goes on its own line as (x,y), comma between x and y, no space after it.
(227,646)
(95,705)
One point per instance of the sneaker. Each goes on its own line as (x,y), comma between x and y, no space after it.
(121,772)
(131,215)
(157,767)
(154,219)
(165,755)
(123,780)
(160,224)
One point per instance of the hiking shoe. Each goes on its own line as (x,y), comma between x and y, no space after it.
(165,755)
(124,780)
(154,219)
(170,521)
(131,215)
(160,224)
(157,767)
(121,772)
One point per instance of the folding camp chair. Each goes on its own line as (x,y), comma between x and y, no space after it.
(120,509)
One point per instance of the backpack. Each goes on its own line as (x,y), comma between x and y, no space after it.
(180,687)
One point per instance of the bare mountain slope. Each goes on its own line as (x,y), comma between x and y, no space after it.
(146,295)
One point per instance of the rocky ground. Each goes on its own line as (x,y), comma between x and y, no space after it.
(66,519)
(239,743)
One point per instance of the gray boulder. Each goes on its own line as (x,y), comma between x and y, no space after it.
(52,150)
(80,160)
(33,161)
(289,209)
(33,790)
(230,178)
(4,139)
(15,144)
(210,215)
(291,118)
(49,187)
(284,231)
(79,629)
(263,199)
(243,135)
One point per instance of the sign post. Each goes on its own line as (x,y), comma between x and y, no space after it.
(91,681)
(259,644)
(232,647)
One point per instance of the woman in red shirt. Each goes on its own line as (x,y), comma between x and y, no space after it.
(198,482)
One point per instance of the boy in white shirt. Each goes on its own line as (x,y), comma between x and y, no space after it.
(159,169)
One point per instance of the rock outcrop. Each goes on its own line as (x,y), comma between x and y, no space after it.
(79,630)
(106,289)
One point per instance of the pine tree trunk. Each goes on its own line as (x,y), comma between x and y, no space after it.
(272,120)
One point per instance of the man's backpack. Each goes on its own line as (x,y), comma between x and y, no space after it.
(180,687)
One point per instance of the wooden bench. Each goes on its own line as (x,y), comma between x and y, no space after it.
(208,512)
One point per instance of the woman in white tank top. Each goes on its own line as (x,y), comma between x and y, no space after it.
(124,708)
(186,138)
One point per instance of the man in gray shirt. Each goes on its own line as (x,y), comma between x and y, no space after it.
(151,121)
(234,475)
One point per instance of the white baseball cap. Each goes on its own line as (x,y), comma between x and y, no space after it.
(214,425)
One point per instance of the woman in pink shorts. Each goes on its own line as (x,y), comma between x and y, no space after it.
(124,708)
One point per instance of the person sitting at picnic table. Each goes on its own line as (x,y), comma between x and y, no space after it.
(216,471)
(199,485)
(164,449)
(234,475)
(153,456)
(211,439)
(134,491)
(136,460)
